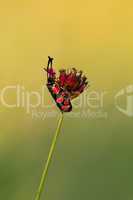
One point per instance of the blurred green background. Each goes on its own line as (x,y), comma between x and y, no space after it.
(93,158)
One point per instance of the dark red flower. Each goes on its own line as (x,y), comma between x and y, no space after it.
(69,85)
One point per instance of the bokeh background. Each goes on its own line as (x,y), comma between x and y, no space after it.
(94,156)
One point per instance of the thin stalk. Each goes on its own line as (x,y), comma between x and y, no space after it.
(51,151)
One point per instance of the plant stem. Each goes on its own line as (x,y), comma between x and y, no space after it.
(45,172)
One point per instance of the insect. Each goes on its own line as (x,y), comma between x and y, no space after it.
(59,94)
(68,85)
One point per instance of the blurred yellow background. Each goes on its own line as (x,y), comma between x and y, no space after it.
(93,159)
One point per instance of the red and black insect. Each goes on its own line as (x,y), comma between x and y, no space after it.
(70,84)
(60,95)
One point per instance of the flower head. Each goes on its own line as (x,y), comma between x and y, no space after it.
(69,85)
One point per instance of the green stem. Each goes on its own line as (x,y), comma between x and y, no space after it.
(45,172)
